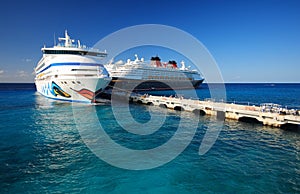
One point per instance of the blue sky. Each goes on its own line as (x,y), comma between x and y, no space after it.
(252,41)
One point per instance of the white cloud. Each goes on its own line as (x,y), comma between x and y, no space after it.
(27,60)
(1,73)
(22,73)
(237,77)
(16,76)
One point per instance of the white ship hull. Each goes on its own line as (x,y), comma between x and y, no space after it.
(72,89)
(78,81)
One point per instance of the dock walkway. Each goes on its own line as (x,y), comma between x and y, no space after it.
(267,114)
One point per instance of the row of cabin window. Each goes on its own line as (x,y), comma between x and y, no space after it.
(73,82)
(64,52)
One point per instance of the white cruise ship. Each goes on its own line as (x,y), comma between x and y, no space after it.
(71,72)
(156,75)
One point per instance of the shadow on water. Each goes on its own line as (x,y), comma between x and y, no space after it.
(287,127)
(291,127)
(249,120)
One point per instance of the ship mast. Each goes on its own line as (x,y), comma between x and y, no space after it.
(67,39)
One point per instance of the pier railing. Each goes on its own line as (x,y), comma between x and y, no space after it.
(263,107)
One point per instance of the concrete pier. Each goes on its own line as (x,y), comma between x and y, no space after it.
(267,114)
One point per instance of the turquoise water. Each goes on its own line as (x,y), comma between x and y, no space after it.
(41,150)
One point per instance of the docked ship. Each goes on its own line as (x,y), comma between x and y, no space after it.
(139,75)
(71,72)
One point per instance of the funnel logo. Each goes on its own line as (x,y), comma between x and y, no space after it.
(89,124)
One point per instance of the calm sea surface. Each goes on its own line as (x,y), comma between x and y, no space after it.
(41,150)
